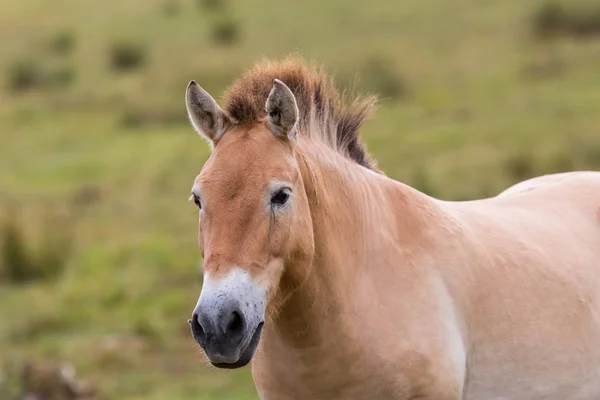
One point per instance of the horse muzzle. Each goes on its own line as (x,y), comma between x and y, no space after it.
(228,319)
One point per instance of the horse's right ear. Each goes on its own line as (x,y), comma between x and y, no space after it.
(282,111)
(205,114)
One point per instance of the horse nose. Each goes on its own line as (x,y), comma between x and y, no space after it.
(226,325)
(233,324)
(197,330)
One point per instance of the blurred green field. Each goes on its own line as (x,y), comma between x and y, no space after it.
(93,133)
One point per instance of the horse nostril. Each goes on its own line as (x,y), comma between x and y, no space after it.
(235,324)
(197,330)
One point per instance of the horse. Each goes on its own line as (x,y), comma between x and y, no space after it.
(333,281)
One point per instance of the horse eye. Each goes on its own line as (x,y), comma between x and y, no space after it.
(197,202)
(280,197)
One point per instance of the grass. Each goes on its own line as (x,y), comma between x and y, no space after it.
(472,103)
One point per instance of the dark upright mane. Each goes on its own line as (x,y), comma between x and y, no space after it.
(324,112)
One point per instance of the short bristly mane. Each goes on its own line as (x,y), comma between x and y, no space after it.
(325,113)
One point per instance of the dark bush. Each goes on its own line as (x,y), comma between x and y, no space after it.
(144,329)
(549,20)
(422,182)
(555,19)
(17,265)
(378,75)
(171,8)
(591,155)
(225,31)
(211,5)
(63,43)
(133,118)
(54,251)
(53,381)
(37,327)
(520,166)
(62,77)
(22,262)
(30,75)
(559,162)
(551,65)
(125,56)
(586,23)
(86,196)
(9,381)
(25,75)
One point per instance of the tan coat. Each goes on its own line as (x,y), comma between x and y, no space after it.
(337,282)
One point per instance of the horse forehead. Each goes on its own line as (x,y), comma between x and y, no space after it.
(242,158)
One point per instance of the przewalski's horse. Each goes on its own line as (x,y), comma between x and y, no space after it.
(338,282)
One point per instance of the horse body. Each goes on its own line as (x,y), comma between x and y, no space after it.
(501,301)
(337,282)
(533,303)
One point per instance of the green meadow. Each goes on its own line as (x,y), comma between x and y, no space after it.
(99,267)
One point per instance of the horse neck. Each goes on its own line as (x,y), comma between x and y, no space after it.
(354,214)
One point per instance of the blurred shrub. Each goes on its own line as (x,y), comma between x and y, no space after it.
(555,19)
(144,329)
(63,43)
(422,182)
(16,263)
(126,56)
(132,118)
(119,351)
(52,381)
(30,74)
(578,153)
(587,24)
(379,76)
(549,65)
(225,30)
(38,327)
(61,77)
(25,74)
(85,196)
(22,262)
(211,5)
(9,382)
(560,162)
(549,20)
(171,8)
(136,118)
(520,166)
(591,155)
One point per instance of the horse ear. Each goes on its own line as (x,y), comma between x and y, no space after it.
(205,114)
(282,111)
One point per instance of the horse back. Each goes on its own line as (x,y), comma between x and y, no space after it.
(533,284)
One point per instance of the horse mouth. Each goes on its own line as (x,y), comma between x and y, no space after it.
(246,354)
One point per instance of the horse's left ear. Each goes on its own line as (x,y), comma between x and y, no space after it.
(205,114)
(282,111)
